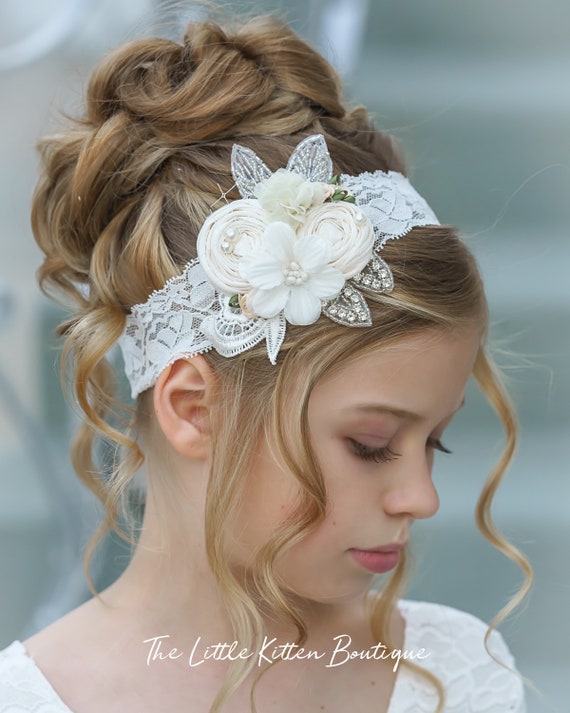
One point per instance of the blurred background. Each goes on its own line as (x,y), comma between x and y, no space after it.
(479,94)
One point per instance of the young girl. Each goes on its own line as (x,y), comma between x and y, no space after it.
(297,330)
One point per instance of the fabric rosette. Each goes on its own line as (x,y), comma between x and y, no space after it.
(347,230)
(226,235)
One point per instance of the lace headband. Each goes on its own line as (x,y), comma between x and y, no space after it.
(300,243)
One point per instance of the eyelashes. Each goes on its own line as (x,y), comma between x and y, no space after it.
(378,455)
(386,454)
(437,445)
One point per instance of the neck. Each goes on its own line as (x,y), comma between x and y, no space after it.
(168,589)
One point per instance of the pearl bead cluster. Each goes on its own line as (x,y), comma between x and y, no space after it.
(294,274)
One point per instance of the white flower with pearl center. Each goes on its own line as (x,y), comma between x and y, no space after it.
(291,274)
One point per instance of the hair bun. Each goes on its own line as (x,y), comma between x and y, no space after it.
(216,83)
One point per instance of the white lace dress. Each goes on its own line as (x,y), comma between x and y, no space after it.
(452,638)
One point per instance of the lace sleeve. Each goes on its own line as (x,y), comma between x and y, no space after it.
(23,687)
(474,682)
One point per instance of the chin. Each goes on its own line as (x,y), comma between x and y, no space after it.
(341,594)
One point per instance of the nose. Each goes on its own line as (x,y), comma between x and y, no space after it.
(411,490)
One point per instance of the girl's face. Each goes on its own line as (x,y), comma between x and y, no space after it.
(374,427)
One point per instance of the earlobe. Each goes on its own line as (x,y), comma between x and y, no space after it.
(182,399)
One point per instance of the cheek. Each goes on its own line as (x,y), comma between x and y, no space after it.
(269,495)
(339,466)
(354,488)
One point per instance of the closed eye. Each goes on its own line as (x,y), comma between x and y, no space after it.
(377,455)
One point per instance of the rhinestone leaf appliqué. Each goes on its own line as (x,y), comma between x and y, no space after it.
(376,276)
(349,308)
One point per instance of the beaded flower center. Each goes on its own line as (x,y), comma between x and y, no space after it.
(294,274)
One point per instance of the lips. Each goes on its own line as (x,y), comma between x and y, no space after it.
(379,559)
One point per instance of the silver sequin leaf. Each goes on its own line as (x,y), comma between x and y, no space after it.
(349,308)
(248,170)
(376,276)
(312,160)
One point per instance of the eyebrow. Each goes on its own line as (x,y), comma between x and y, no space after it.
(398,412)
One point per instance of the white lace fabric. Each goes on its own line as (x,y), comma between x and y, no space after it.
(168,325)
(473,681)
(391,203)
(188,316)
(453,639)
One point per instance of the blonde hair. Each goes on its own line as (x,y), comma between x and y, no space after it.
(122,195)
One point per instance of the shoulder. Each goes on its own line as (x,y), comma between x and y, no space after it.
(23,687)
(455,652)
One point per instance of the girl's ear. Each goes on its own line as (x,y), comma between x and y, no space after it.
(182,398)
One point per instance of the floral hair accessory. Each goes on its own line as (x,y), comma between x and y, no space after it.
(300,242)
(293,246)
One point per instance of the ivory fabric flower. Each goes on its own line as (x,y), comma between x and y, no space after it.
(228,232)
(348,231)
(287,196)
(291,274)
